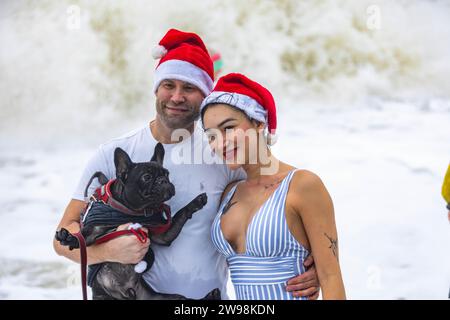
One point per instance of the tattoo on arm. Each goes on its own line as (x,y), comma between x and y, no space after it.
(333,245)
(228,206)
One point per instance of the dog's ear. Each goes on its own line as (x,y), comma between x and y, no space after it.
(122,162)
(158,155)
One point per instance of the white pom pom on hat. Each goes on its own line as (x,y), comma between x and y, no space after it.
(271,139)
(158,51)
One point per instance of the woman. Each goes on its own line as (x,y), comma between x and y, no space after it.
(269,223)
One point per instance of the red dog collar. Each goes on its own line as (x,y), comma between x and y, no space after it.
(103,194)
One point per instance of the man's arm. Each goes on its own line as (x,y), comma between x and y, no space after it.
(126,249)
(71,222)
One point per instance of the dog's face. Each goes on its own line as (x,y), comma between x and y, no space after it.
(145,184)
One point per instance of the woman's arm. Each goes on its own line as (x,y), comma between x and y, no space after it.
(313,204)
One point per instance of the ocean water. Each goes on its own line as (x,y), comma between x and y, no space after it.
(363,100)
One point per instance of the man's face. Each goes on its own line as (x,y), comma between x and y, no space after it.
(178,103)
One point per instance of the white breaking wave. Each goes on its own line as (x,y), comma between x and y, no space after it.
(68,63)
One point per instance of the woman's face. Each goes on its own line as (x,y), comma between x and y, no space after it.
(231,135)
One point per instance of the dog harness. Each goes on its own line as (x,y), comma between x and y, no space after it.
(103,209)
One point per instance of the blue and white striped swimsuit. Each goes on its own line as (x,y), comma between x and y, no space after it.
(272,255)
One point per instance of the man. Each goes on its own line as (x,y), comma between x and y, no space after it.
(190,266)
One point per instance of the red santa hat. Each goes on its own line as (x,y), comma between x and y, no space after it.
(247,95)
(183,56)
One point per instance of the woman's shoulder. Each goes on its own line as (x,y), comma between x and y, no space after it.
(308,193)
(306,183)
(306,178)
(309,197)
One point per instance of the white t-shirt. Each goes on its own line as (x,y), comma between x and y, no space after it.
(190,266)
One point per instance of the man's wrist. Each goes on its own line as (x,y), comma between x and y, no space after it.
(97,254)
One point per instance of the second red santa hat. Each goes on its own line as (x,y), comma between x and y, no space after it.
(256,101)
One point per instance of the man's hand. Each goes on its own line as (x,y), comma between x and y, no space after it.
(306,284)
(126,249)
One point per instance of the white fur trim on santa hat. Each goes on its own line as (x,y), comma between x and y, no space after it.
(158,51)
(184,71)
(245,103)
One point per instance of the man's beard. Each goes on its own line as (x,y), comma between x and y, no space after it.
(177,121)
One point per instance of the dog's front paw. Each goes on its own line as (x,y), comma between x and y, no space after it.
(213,295)
(67,239)
(196,204)
(200,201)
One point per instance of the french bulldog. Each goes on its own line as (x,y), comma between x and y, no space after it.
(142,188)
